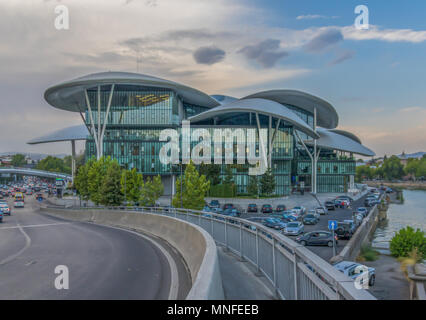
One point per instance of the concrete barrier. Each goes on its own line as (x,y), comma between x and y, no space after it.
(360,237)
(196,246)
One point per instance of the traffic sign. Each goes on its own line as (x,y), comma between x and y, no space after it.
(332,224)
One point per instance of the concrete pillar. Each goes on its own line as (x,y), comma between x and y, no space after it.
(73,168)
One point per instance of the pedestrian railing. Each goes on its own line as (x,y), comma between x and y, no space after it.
(295,272)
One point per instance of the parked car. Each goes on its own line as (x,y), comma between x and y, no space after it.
(363,211)
(314,213)
(280,208)
(214,204)
(228,206)
(349,199)
(231,212)
(317,238)
(310,219)
(389,190)
(300,210)
(321,210)
(293,228)
(274,223)
(353,270)
(329,205)
(4,208)
(345,230)
(1,217)
(267,208)
(289,215)
(252,207)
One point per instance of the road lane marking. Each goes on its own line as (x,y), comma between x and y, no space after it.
(36,225)
(174,277)
(27,245)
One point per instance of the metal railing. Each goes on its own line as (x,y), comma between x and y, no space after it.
(294,271)
(35,172)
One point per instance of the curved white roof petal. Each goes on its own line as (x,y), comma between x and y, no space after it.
(70,95)
(262,106)
(326,114)
(333,140)
(66,134)
(223,99)
(348,134)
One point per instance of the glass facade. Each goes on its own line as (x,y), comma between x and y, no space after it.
(138,114)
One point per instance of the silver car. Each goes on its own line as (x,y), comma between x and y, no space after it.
(294,228)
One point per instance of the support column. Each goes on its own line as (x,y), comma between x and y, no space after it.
(261,142)
(73,159)
(315,158)
(270,142)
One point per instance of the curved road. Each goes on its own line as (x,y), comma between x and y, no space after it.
(103,262)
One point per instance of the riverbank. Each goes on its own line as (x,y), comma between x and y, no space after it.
(408,185)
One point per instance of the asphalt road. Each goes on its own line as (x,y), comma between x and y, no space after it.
(339,214)
(103,262)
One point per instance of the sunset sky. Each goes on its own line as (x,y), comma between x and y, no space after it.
(376,78)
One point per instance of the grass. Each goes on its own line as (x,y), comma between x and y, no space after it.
(367,253)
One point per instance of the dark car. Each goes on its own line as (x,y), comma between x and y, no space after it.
(228,206)
(310,219)
(214,204)
(280,208)
(329,205)
(317,238)
(252,207)
(267,208)
(274,223)
(231,212)
(345,230)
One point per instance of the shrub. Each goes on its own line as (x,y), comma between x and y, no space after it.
(406,240)
(368,254)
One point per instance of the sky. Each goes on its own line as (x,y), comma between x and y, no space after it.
(374,78)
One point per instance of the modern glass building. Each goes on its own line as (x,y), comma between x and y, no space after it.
(124,113)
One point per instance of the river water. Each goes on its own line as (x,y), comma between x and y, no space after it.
(412,213)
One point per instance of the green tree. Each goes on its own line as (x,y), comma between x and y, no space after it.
(54,164)
(212,173)
(96,175)
(110,190)
(194,189)
(81,181)
(267,182)
(152,190)
(253,186)
(18,160)
(229,177)
(131,185)
(392,168)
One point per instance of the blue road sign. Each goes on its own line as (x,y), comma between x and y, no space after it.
(332,224)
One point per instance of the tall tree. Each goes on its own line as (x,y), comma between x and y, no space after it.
(54,164)
(152,190)
(96,174)
(131,185)
(81,180)
(229,177)
(18,160)
(110,191)
(253,186)
(194,189)
(267,182)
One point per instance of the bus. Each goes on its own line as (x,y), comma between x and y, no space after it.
(19,196)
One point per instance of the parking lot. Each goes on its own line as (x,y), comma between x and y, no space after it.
(338,214)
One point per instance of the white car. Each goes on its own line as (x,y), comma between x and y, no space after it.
(321,210)
(314,213)
(18,204)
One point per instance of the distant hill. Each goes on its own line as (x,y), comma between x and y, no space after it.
(34,156)
(413,155)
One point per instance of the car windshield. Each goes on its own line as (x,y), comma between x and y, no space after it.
(292,225)
(310,216)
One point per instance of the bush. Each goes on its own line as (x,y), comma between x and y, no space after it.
(407,240)
(223,191)
(368,254)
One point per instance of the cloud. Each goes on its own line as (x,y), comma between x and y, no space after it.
(342,56)
(388,35)
(314,16)
(209,55)
(413,109)
(266,53)
(323,40)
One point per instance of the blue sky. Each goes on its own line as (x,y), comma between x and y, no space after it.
(374,78)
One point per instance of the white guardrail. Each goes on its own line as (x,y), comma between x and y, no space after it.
(295,272)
